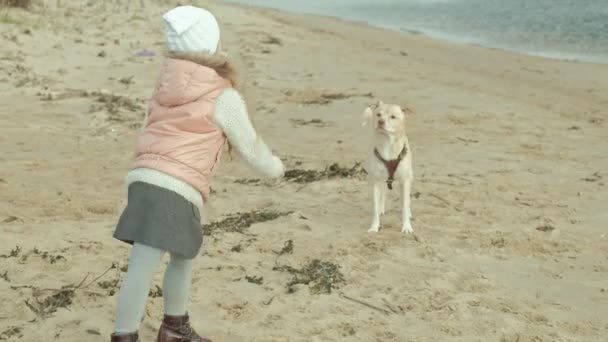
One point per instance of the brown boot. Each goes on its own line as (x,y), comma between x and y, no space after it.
(178,329)
(122,337)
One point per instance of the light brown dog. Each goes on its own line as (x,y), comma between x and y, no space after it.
(390,159)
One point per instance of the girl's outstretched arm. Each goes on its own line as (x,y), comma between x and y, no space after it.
(232,117)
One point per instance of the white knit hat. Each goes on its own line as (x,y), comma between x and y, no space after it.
(192,29)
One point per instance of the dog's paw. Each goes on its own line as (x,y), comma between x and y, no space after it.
(407,228)
(373,228)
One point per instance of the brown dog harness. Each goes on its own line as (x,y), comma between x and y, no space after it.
(391,165)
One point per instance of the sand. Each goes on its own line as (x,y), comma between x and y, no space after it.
(510,156)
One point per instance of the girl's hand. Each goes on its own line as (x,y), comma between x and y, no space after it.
(278,169)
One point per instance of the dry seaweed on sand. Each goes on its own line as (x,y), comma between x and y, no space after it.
(238,222)
(327,98)
(248,181)
(258,280)
(11,333)
(593,178)
(60,299)
(16,3)
(44,255)
(332,171)
(271,40)
(157,292)
(110,285)
(44,305)
(311,122)
(114,103)
(287,248)
(320,276)
(13,253)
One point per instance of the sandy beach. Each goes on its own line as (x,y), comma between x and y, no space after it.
(510,159)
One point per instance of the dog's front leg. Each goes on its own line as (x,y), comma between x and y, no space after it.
(381,207)
(378,193)
(406,213)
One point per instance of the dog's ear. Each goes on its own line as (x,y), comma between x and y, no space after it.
(368,114)
(408,110)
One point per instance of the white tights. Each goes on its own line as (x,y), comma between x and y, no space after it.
(134,291)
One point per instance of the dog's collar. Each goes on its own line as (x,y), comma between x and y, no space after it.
(391,165)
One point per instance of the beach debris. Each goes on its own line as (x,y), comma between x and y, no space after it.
(545,228)
(110,285)
(60,299)
(321,277)
(113,285)
(314,97)
(11,333)
(238,222)
(15,252)
(44,304)
(237,249)
(312,122)
(272,40)
(443,201)
(145,53)
(596,121)
(258,280)
(304,176)
(114,103)
(248,181)
(498,242)
(287,248)
(157,292)
(466,140)
(593,178)
(332,171)
(10,219)
(102,54)
(371,306)
(5,276)
(127,80)
(44,255)
(269,301)
(16,3)
(328,98)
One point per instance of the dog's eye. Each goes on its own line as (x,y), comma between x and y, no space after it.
(378,115)
(392,116)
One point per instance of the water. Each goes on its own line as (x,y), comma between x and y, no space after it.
(562,29)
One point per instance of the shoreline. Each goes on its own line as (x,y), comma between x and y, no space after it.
(445,37)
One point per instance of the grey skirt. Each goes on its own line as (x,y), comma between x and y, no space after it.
(160,218)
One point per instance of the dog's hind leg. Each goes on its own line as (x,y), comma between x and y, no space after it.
(406,213)
(376,207)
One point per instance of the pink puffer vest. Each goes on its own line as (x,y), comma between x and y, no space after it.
(180,138)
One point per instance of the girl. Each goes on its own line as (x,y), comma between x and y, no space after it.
(192,113)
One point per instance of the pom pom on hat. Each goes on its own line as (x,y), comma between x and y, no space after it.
(191,29)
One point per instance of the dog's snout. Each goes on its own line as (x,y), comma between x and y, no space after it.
(381,122)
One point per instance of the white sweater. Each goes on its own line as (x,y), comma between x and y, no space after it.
(232,117)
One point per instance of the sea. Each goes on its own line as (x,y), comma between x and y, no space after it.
(559,29)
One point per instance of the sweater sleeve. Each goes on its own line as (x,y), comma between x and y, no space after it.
(232,117)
